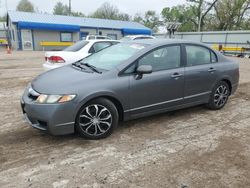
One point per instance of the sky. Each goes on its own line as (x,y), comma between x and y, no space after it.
(88,6)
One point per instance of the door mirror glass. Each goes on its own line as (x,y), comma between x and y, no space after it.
(144,69)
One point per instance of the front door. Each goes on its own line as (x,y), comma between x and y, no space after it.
(27,42)
(161,89)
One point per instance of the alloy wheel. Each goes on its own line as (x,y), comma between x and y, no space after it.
(221,96)
(95,120)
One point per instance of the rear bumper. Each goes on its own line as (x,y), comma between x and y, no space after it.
(55,119)
(49,66)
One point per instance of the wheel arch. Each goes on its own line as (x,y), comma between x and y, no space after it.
(224,79)
(110,96)
(229,83)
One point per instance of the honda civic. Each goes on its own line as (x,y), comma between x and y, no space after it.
(126,81)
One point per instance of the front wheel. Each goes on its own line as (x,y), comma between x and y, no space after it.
(97,119)
(219,96)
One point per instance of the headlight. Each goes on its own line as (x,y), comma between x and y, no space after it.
(50,99)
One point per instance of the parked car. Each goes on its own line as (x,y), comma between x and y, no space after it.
(96,37)
(127,81)
(137,37)
(76,52)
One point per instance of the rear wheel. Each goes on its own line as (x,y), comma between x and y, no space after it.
(219,96)
(97,119)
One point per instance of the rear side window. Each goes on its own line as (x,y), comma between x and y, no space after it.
(76,47)
(197,55)
(99,46)
(140,38)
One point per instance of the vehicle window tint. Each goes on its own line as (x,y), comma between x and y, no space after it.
(139,38)
(130,70)
(76,47)
(163,58)
(197,55)
(99,37)
(101,45)
(112,56)
(213,57)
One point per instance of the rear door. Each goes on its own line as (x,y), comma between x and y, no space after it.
(201,73)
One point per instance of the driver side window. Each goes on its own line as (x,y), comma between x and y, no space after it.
(164,58)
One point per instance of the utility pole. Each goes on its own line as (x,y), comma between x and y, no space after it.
(69,7)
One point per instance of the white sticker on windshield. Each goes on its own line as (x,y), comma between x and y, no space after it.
(137,46)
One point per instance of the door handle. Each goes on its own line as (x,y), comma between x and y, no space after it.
(176,75)
(211,69)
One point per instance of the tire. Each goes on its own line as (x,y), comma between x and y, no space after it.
(97,119)
(219,96)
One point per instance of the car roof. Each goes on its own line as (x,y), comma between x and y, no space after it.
(157,41)
(102,40)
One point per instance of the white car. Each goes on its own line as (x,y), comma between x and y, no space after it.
(76,52)
(136,37)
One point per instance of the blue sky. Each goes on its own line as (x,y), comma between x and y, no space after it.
(88,6)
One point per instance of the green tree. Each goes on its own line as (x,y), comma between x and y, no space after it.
(182,14)
(109,11)
(150,19)
(61,9)
(77,14)
(200,9)
(25,6)
(194,15)
(231,15)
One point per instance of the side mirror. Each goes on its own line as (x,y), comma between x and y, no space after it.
(144,69)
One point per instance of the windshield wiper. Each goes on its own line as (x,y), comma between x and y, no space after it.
(93,68)
(79,65)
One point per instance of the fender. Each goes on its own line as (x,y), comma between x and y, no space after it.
(98,94)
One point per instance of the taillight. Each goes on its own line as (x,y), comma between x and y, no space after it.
(56,59)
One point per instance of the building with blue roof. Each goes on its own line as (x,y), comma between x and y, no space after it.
(27,30)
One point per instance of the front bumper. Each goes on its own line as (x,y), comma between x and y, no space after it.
(55,119)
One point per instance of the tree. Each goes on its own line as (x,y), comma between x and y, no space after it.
(25,6)
(200,9)
(182,14)
(60,9)
(77,14)
(109,11)
(231,15)
(150,19)
(194,16)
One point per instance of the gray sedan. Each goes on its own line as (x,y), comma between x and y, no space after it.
(127,81)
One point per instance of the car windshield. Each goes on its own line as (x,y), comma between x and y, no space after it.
(110,57)
(77,46)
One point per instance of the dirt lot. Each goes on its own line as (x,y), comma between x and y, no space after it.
(194,147)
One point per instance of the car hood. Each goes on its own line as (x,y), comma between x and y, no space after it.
(63,80)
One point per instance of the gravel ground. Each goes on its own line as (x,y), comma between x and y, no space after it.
(193,147)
